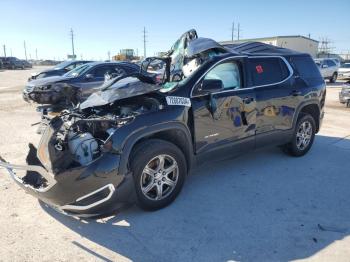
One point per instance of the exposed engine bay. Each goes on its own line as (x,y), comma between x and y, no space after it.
(78,138)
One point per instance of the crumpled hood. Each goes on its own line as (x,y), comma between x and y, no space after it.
(47,80)
(126,87)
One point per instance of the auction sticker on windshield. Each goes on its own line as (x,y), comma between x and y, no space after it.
(178,101)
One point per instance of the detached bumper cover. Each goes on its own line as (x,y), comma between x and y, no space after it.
(83,190)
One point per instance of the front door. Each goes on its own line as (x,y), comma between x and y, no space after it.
(226,117)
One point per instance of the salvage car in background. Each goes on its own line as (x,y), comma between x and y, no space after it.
(11,62)
(344,72)
(26,64)
(136,140)
(328,68)
(75,85)
(344,95)
(59,70)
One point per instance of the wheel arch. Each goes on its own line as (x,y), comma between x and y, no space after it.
(175,133)
(312,108)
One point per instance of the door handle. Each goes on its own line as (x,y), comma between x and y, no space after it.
(248,100)
(295,93)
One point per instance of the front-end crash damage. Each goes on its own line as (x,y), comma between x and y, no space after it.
(50,93)
(76,168)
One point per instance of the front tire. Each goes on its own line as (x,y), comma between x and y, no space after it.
(159,170)
(303,136)
(334,77)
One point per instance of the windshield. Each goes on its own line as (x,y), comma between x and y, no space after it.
(78,71)
(345,66)
(63,65)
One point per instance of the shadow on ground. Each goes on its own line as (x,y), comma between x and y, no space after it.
(263,206)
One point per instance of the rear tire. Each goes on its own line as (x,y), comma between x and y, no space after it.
(303,136)
(348,103)
(334,77)
(159,170)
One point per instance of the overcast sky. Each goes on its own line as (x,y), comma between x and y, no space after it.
(102,26)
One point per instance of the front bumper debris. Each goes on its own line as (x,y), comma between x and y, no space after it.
(81,191)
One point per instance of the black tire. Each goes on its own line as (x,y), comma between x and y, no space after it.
(294,148)
(334,77)
(145,154)
(348,103)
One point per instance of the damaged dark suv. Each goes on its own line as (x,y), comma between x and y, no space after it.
(136,140)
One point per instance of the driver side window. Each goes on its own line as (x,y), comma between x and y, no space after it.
(228,73)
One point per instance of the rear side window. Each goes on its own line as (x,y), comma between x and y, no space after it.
(305,67)
(266,71)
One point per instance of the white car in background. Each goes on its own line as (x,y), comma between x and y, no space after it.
(344,71)
(328,68)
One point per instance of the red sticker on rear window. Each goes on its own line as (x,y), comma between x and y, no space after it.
(259,69)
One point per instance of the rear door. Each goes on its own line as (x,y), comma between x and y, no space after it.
(276,96)
(226,118)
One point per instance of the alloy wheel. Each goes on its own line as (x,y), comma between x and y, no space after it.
(304,135)
(159,177)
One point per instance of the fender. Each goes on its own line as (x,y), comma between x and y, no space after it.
(303,104)
(134,137)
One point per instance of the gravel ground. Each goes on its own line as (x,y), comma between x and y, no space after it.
(263,206)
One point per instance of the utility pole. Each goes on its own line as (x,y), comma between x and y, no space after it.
(11,51)
(72,38)
(109,55)
(238,31)
(36,54)
(4,50)
(144,42)
(233,31)
(25,49)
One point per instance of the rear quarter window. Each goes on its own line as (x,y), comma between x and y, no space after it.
(266,71)
(305,67)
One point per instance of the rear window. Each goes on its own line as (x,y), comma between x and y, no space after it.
(305,67)
(265,71)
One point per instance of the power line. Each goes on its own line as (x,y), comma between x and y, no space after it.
(144,42)
(72,38)
(233,31)
(25,49)
(238,31)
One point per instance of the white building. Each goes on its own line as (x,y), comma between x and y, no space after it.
(295,42)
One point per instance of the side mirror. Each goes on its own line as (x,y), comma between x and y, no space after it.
(324,66)
(211,85)
(89,77)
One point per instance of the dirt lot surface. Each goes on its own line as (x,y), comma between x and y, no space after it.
(264,206)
